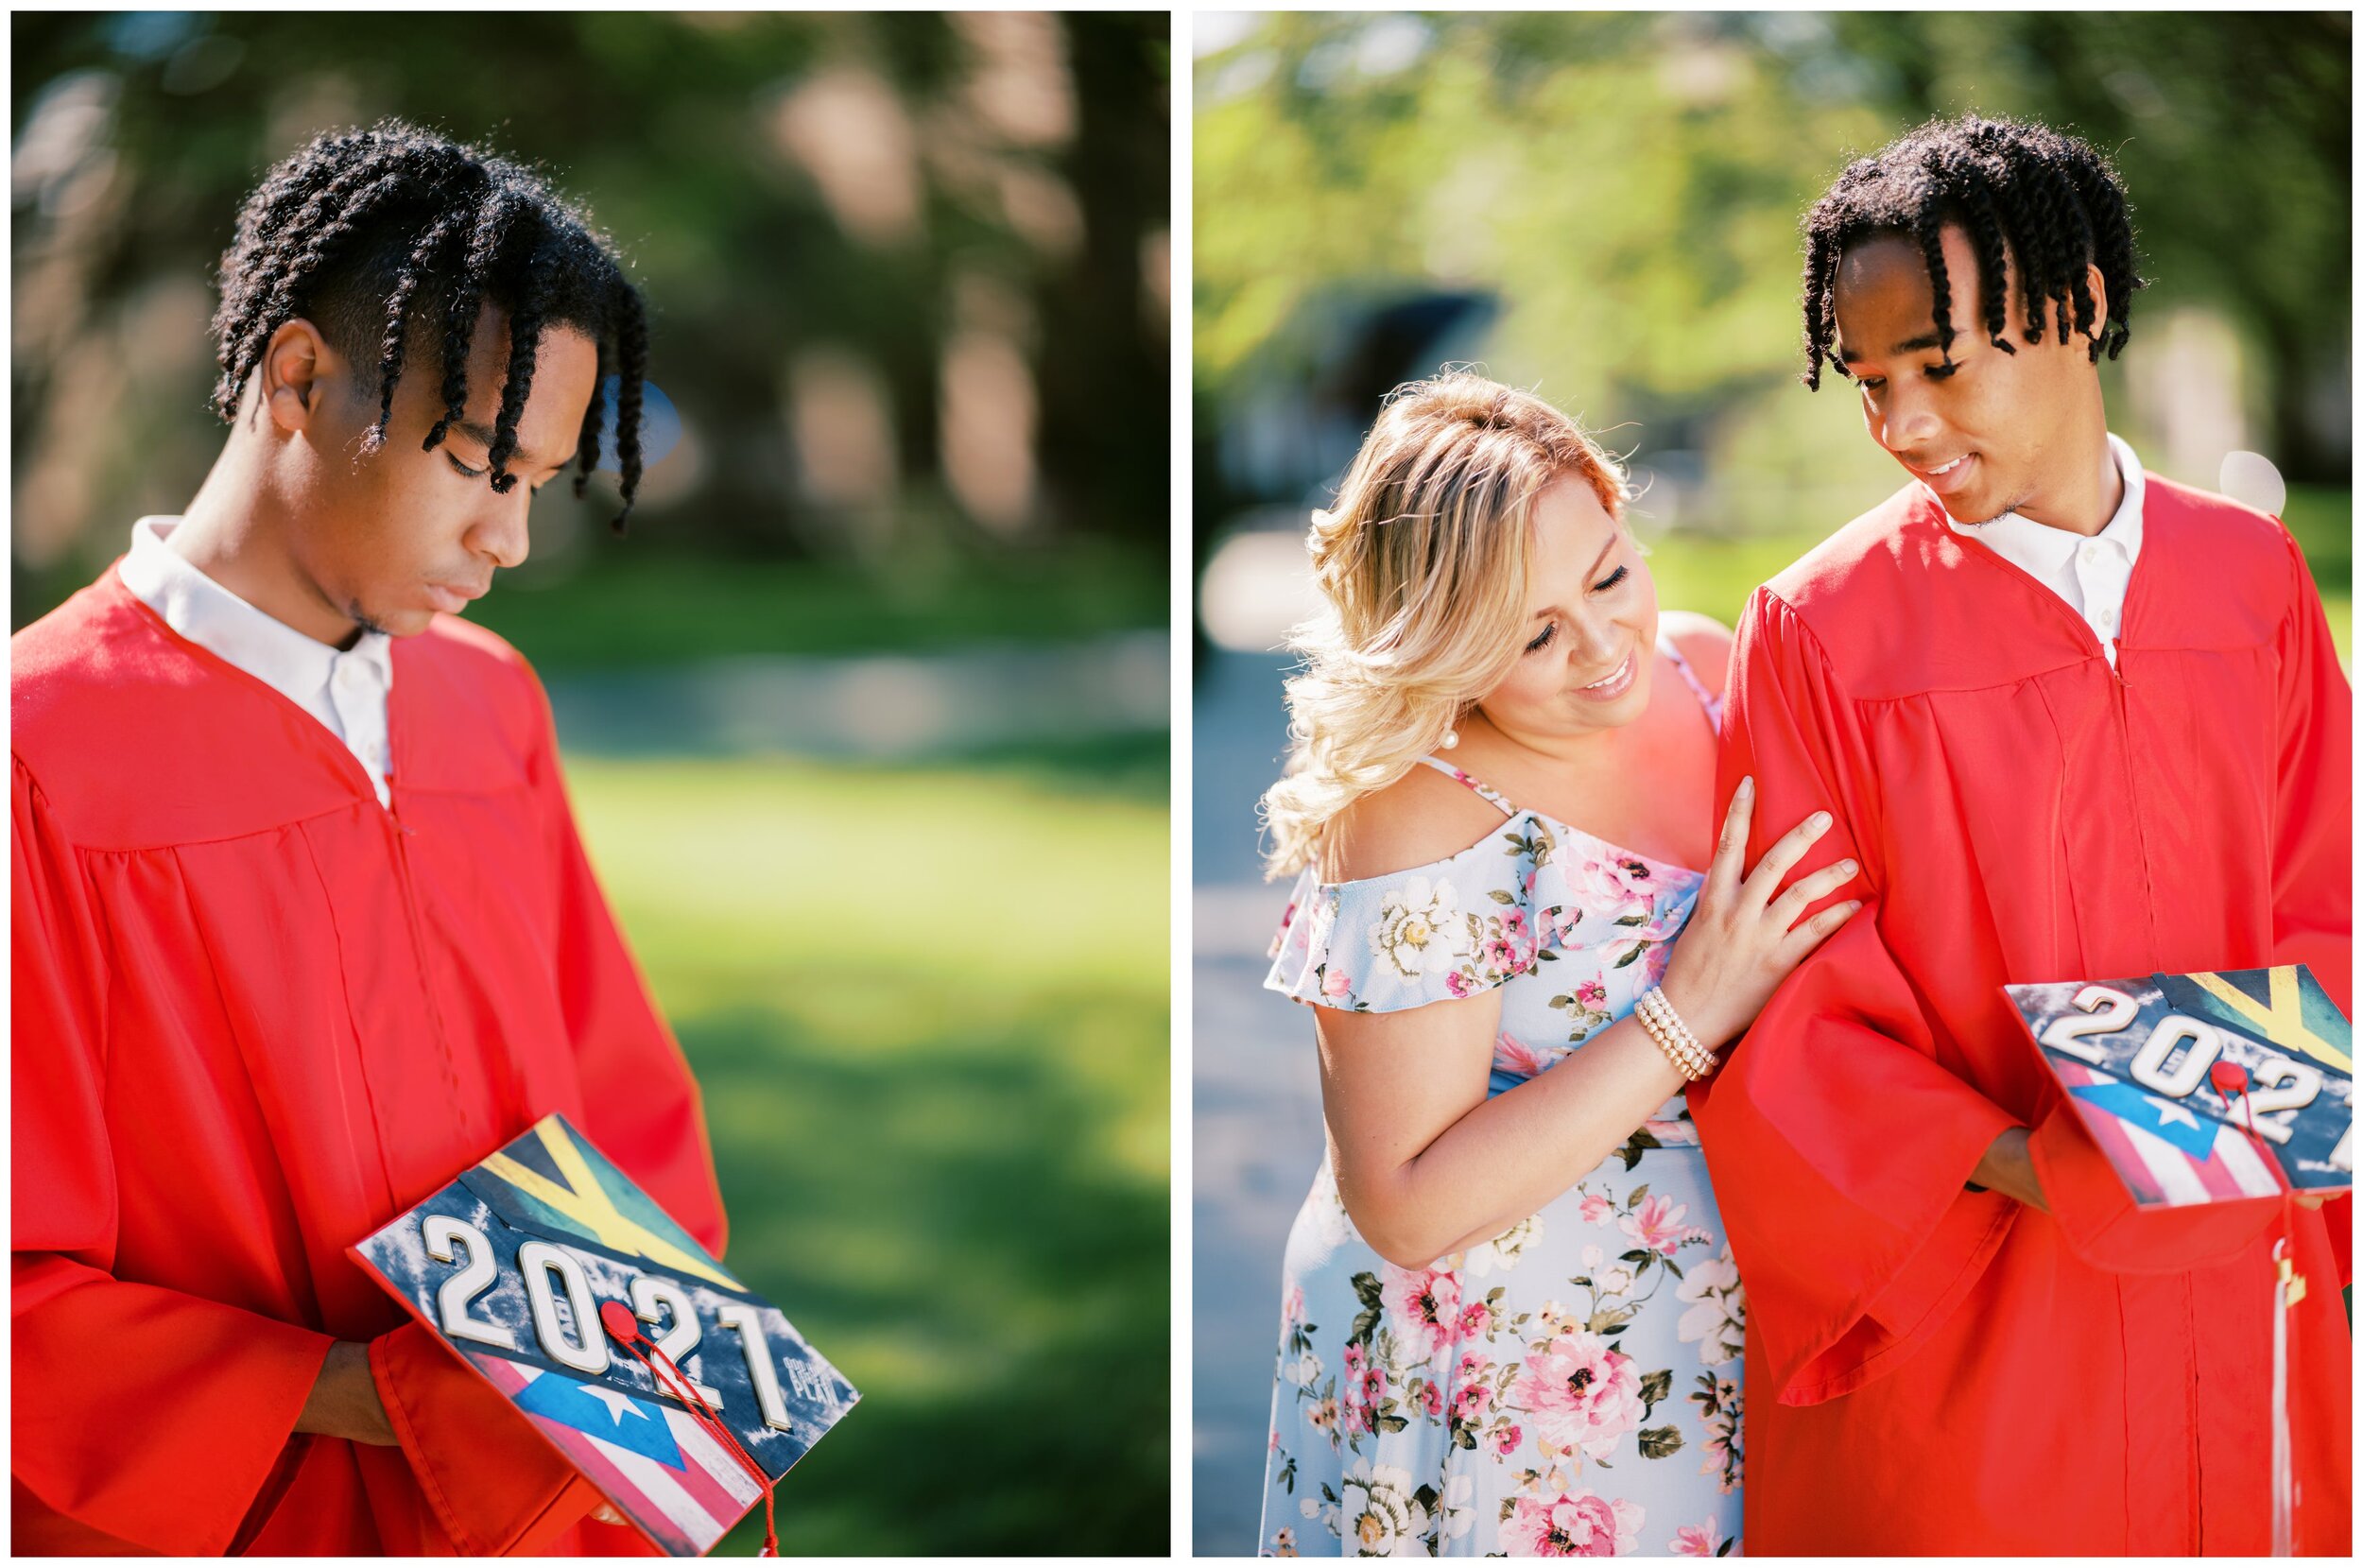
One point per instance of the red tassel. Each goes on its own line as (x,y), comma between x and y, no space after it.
(624,1328)
(2229,1079)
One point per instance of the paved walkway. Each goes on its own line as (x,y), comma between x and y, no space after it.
(1256,1112)
(876,708)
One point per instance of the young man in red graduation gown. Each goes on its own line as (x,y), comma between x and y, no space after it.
(2076,721)
(301,924)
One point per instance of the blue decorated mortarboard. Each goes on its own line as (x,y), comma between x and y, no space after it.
(2146,1063)
(531,1261)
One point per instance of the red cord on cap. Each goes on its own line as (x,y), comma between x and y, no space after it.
(2228,1078)
(623,1326)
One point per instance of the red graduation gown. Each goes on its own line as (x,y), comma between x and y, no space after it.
(1933,1370)
(256,1015)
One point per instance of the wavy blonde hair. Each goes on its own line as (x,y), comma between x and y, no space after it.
(1423,562)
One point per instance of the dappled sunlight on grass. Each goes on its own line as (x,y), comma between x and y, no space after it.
(928,1010)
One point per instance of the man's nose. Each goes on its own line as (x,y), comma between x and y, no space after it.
(502,533)
(1908,420)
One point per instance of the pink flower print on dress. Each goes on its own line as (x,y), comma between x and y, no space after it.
(1592,996)
(1594,1208)
(1432,1396)
(1506,1442)
(1602,887)
(1581,1393)
(1512,948)
(1459,983)
(1469,1402)
(1336,983)
(1583,1524)
(1475,1320)
(1657,1224)
(1423,1306)
(1654,962)
(1695,1540)
(1515,1056)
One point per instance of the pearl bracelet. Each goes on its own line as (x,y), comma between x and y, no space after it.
(1657,1015)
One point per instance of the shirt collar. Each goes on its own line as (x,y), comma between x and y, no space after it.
(2026,541)
(216,619)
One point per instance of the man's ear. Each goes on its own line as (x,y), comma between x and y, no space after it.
(2099,288)
(296,364)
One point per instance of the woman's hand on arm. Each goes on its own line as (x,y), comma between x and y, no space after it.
(1742,941)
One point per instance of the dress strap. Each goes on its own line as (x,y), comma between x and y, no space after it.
(1484,791)
(1707,699)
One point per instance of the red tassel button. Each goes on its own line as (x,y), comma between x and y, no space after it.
(619,1322)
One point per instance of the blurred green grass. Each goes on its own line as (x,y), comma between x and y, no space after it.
(1716,575)
(928,1008)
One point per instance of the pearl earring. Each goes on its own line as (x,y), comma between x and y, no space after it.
(1452,738)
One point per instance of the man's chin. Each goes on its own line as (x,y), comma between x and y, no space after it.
(1969,511)
(400,623)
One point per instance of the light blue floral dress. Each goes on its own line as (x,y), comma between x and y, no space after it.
(1571,1387)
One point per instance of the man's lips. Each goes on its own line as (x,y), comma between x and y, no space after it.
(1942,477)
(452,600)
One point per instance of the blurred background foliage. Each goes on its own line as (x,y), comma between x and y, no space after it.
(1607,208)
(908,276)
(866,720)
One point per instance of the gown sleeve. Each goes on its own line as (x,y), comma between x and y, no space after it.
(639,1102)
(1854,1238)
(2313,825)
(145,1414)
(2313,830)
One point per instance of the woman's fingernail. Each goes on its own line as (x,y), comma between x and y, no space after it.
(1746,787)
(1819,820)
(1847,868)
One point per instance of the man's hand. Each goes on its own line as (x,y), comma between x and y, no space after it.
(2006,1167)
(344,1402)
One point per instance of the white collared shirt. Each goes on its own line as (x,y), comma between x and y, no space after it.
(345,690)
(2090,574)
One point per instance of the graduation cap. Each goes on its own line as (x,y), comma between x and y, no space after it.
(2213,1088)
(676,1390)
(2140,1058)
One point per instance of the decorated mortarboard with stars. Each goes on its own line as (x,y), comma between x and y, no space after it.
(677,1391)
(2208,1087)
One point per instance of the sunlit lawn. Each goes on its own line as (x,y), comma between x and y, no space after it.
(928,1008)
(1716,575)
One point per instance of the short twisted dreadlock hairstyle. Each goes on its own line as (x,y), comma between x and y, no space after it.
(2054,202)
(393,236)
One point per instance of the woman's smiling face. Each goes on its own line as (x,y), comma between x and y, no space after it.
(1584,661)
(1985,431)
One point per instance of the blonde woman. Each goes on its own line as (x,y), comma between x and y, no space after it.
(1510,1321)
